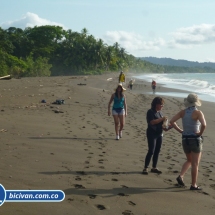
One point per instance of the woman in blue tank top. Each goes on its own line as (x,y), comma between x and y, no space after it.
(194,124)
(119,109)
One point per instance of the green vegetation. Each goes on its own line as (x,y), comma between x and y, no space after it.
(51,50)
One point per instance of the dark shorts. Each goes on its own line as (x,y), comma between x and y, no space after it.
(192,145)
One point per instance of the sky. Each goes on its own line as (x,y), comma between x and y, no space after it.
(177,29)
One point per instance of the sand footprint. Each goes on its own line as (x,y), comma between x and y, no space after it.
(77,178)
(79,186)
(92,196)
(122,194)
(127,212)
(168,181)
(101,207)
(131,203)
(212,186)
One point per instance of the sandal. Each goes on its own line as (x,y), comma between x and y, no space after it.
(180,181)
(195,188)
(156,171)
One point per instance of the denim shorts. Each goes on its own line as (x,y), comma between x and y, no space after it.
(192,145)
(121,112)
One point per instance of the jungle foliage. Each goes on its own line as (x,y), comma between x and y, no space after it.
(51,50)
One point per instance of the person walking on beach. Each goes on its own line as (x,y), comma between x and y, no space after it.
(119,109)
(154,134)
(153,85)
(194,124)
(131,83)
(122,78)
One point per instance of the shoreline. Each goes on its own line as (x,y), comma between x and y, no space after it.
(163,90)
(72,147)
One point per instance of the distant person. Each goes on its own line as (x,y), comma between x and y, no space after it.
(131,83)
(194,124)
(154,134)
(122,78)
(153,85)
(119,109)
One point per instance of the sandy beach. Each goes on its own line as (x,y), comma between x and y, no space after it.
(72,147)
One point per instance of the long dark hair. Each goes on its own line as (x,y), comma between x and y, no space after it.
(121,92)
(155,101)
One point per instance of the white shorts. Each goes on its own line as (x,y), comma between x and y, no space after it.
(123,83)
(122,112)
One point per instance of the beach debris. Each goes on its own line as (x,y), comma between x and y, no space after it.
(43,101)
(82,84)
(59,102)
(3,130)
(6,77)
(109,79)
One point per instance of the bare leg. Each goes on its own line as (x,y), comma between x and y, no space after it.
(122,121)
(116,122)
(195,167)
(186,165)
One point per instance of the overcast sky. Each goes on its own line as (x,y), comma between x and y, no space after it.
(178,29)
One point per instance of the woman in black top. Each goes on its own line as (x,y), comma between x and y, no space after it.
(154,132)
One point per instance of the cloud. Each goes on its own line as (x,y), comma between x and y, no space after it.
(192,36)
(132,41)
(29,20)
(182,38)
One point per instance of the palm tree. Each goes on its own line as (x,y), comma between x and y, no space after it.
(98,53)
(84,32)
(109,55)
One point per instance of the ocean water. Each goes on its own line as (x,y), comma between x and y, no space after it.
(201,84)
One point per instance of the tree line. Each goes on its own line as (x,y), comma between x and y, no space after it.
(179,63)
(51,51)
